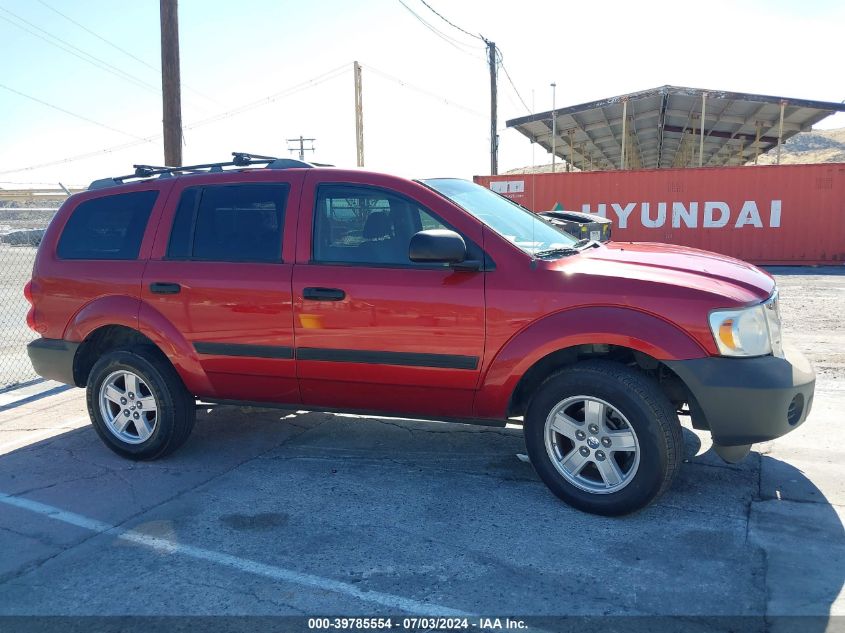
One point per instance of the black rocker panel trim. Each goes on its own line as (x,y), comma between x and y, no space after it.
(408,359)
(238,349)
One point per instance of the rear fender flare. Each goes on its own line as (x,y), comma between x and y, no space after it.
(155,326)
(112,310)
(132,313)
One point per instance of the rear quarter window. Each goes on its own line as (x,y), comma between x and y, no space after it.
(111,227)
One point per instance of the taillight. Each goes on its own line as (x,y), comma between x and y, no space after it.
(30,316)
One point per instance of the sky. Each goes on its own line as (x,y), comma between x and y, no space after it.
(258,72)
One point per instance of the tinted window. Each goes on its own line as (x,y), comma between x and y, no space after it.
(230,223)
(366,226)
(110,227)
(181,238)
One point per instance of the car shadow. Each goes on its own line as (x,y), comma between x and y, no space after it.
(450,505)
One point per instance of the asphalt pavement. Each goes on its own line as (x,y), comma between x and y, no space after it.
(269,512)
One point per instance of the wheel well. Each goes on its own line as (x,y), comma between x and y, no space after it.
(101,341)
(669,382)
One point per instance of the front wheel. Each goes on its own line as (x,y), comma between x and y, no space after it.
(603,437)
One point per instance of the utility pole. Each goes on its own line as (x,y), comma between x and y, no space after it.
(359,115)
(494,137)
(170,83)
(302,149)
(554,126)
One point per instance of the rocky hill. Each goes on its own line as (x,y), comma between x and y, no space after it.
(818,146)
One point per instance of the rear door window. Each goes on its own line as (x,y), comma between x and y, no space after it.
(111,227)
(230,223)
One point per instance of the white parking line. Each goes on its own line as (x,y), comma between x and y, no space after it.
(227,560)
(30,437)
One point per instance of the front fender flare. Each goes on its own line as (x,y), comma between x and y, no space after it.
(610,325)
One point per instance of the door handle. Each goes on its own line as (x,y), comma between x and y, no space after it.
(324,294)
(165,288)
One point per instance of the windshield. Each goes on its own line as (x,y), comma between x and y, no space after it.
(527,230)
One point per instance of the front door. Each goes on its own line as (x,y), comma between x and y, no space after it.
(375,331)
(219,274)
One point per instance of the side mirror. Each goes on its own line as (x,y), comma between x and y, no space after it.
(437,246)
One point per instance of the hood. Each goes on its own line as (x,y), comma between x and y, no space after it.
(683,266)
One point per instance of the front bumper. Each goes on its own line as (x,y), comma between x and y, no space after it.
(53,358)
(748,400)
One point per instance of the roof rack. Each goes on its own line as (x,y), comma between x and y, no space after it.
(239,159)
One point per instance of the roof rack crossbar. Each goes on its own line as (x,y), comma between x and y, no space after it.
(239,159)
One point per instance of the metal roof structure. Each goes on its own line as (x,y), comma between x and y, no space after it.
(661,128)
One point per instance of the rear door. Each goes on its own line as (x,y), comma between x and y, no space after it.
(375,331)
(221,273)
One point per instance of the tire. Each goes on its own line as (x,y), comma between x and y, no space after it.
(636,428)
(147,434)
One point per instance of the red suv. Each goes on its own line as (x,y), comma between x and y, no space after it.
(338,290)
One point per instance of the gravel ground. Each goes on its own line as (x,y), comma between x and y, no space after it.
(812,307)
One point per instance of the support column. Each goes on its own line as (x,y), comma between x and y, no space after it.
(701,130)
(780,129)
(554,128)
(624,131)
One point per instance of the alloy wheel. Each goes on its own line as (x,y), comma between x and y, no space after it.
(592,444)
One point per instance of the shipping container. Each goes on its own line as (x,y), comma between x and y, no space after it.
(784,214)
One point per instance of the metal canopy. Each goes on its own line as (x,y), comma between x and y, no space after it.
(661,128)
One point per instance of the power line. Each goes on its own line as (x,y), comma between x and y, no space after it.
(483,39)
(433,95)
(76,51)
(119,48)
(460,46)
(452,24)
(99,37)
(290,91)
(493,66)
(287,92)
(68,112)
(513,85)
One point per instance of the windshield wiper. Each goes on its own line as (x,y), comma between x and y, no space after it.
(586,243)
(556,251)
(577,247)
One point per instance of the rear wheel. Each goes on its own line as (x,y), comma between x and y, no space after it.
(603,437)
(138,404)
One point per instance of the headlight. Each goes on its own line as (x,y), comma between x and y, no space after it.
(772,309)
(753,331)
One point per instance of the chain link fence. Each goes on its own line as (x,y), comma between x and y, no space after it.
(21,228)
